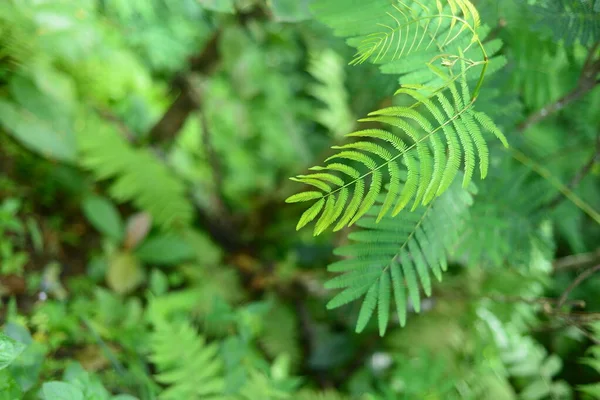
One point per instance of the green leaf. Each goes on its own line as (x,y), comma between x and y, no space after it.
(9,388)
(9,350)
(551,366)
(304,196)
(310,214)
(104,216)
(536,391)
(165,249)
(592,389)
(407,248)
(37,134)
(61,391)
(414,157)
(124,273)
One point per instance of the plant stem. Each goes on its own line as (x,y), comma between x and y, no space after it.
(576,261)
(582,277)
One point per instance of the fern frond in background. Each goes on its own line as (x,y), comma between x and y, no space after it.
(571,21)
(506,220)
(400,255)
(138,175)
(327,67)
(592,359)
(186,363)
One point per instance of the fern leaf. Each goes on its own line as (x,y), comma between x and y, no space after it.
(413,26)
(138,176)
(327,67)
(406,38)
(186,364)
(507,218)
(398,254)
(570,21)
(448,117)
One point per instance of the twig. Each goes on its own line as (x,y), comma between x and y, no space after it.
(215,166)
(178,112)
(587,81)
(564,190)
(582,277)
(576,261)
(123,128)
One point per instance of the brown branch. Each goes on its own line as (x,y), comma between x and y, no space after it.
(582,277)
(587,81)
(576,261)
(123,128)
(215,167)
(185,103)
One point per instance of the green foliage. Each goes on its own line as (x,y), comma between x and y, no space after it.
(399,255)
(9,350)
(139,176)
(185,363)
(146,251)
(569,20)
(104,216)
(12,260)
(327,68)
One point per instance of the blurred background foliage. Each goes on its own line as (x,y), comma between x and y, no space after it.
(146,252)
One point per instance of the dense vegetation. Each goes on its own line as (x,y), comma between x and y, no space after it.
(445,246)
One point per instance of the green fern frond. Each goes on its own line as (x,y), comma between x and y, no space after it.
(429,172)
(420,68)
(17,43)
(410,27)
(327,67)
(185,362)
(506,220)
(138,176)
(398,255)
(570,21)
(280,334)
(542,67)
(259,386)
(385,30)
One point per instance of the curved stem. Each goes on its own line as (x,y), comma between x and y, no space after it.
(568,193)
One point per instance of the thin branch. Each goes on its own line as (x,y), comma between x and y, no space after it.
(178,112)
(552,108)
(587,81)
(215,166)
(576,261)
(564,190)
(122,126)
(582,277)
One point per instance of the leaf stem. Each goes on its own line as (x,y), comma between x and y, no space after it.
(568,193)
